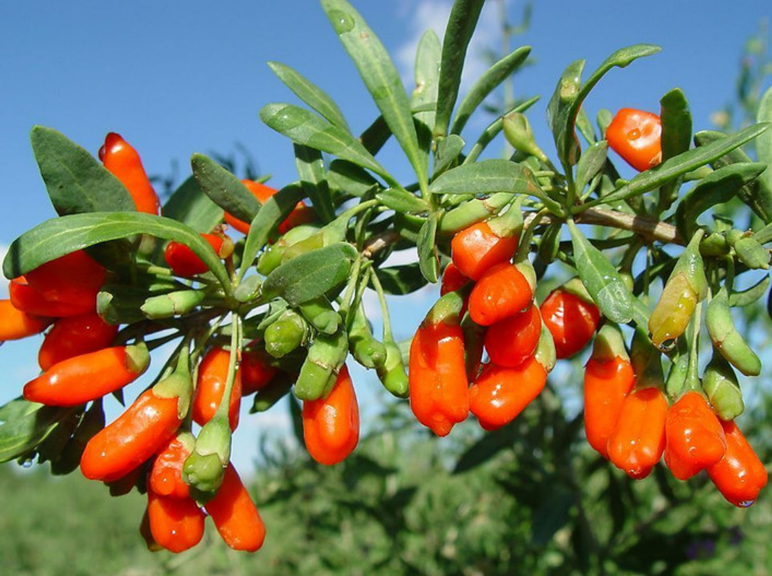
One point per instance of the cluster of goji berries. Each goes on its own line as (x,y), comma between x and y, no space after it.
(488,303)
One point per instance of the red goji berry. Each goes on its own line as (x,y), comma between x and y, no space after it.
(73,279)
(635,136)
(73,336)
(571,320)
(301,214)
(511,341)
(166,474)
(176,524)
(25,298)
(503,290)
(256,371)
(607,382)
(184,262)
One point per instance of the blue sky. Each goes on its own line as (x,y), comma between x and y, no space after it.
(178,77)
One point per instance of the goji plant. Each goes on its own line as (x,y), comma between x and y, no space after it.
(260,290)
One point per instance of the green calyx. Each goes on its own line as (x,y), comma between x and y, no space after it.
(137,357)
(722,388)
(509,223)
(545,350)
(285,334)
(172,304)
(691,267)
(366,350)
(748,250)
(609,344)
(647,363)
(319,371)
(205,467)
(178,385)
(448,308)
(321,315)
(472,211)
(576,287)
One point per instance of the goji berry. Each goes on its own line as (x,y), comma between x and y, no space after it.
(476,248)
(73,336)
(74,279)
(120,158)
(212,376)
(16,324)
(503,290)
(739,475)
(184,262)
(177,524)
(635,136)
(512,340)
(235,515)
(571,320)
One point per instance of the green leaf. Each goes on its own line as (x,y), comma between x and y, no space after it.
(679,165)
(59,236)
(189,205)
(427,76)
(487,83)
(310,93)
(381,78)
(401,200)
(601,279)
(428,259)
(311,274)
(749,295)
(584,125)
(375,136)
(458,33)
(347,178)
(486,448)
(448,150)
(569,95)
(764,141)
(306,128)
(401,280)
(590,164)
(487,177)
(272,213)
(676,124)
(24,425)
(716,188)
(313,179)
(224,188)
(75,180)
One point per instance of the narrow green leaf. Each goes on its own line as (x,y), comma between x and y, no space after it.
(681,164)
(764,141)
(428,259)
(401,280)
(24,425)
(59,236)
(570,94)
(189,205)
(402,201)
(757,195)
(375,135)
(311,274)
(676,124)
(749,295)
(584,125)
(458,33)
(272,213)
(488,82)
(306,128)
(487,177)
(76,181)
(349,179)
(716,188)
(448,150)
(591,162)
(381,78)
(313,179)
(310,93)
(601,279)
(224,188)
(427,76)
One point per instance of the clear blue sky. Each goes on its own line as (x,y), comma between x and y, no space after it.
(178,77)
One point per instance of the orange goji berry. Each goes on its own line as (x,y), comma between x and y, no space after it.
(141,431)
(212,376)
(73,279)
(16,324)
(500,393)
(235,515)
(166,474)
(476,248)
(301,214)
(177,524)
(694,436)
(256,371)
(89,376)
(503,290)
(120,158)
(635,135)
(331,424)
(184,262)
(739,475)
(606,385)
